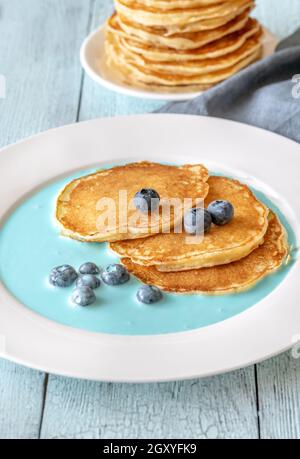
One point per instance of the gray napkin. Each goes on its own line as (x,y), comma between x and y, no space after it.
(266,94)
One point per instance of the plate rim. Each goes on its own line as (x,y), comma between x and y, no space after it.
(33,320)
(270,43)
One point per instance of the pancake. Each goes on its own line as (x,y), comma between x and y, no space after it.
(167,5)
(206,17)
(231,278)
(206,26)
(193,27)
(194,67)
(218,48)
(179,41)
(135,74)
(91,209)
(178,251)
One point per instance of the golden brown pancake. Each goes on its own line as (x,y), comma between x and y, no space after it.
(192,67)
(136,74)
(170,5)
(218,48)
(158,36)
(205,17)
(177,251)
(231,278)
(91,208)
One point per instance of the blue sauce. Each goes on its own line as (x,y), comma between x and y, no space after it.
(30,246)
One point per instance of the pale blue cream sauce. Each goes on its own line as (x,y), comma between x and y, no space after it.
(30,246)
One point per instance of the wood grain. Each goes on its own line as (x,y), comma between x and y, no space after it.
(279,397)
(219,407)
(281,17)
(39,46)
(21,401)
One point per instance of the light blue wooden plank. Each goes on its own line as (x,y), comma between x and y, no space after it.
(39,59)
(279,397)
(220,407)
(282,17)
(21,401)
(39,46)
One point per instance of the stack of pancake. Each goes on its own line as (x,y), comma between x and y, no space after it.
(181,44)
(227,259)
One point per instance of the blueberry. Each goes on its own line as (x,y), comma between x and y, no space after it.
(88,280)
(146,200)
(221,212)
(83,296)
(115,275)
(197,221)
(89,268)
(149,294)
(62,276)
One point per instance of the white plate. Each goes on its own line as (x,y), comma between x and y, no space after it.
(269,162)
(93,61)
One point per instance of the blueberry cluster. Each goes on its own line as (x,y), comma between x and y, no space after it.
(88,280)
(199,220)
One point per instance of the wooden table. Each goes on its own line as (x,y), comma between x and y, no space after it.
(39,46)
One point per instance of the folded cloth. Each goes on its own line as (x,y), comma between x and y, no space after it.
(266,94)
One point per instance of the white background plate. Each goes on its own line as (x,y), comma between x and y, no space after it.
(269,162)
(93,61)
